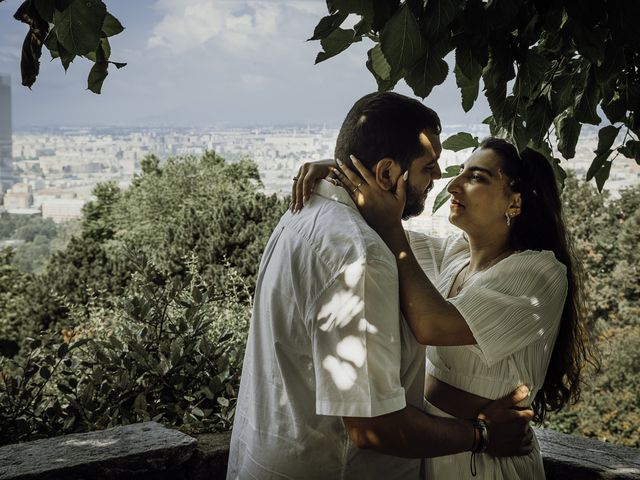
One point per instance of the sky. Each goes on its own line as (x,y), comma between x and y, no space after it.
(207,63)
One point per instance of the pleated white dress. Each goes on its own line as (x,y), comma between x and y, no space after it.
(513,309)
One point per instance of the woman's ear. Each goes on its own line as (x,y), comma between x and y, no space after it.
(515,205)
(387,172)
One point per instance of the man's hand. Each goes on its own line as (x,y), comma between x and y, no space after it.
(508,425)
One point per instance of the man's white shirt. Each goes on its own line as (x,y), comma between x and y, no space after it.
(326,341)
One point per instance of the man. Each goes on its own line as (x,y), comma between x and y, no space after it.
(333,379)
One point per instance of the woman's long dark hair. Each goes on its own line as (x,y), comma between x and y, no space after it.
(540,226)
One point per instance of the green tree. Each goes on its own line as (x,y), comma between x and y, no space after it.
(15,286)
(545,66)
(605,233)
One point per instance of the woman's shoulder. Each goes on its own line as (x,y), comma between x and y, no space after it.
(534,261)
(529,270)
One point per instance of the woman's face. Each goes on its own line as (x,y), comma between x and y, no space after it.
(481,196)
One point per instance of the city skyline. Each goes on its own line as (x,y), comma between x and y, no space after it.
(207,63)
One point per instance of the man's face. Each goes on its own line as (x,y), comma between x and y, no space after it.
(422,172)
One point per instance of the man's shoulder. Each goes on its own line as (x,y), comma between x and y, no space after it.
(338,231)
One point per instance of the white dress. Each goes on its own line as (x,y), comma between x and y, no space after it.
(513,310)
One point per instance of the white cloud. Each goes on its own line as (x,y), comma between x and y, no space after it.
(241,27)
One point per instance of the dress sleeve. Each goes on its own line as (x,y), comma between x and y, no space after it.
(514,304)
(429,251)
(356,343)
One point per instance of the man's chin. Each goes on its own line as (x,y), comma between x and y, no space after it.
(412,210)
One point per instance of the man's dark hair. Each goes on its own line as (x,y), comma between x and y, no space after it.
(385,124)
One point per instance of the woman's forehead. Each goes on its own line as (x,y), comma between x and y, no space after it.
(484,157)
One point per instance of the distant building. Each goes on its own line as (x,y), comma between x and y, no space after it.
(46,194)
(19,197)
(6,156)
(62,209)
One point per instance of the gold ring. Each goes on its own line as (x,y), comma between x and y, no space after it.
(357,188)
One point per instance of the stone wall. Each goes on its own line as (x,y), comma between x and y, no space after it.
(147,451)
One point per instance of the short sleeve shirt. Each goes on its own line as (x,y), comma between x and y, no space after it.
(326,340)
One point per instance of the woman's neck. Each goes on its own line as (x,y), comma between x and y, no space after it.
(486,250)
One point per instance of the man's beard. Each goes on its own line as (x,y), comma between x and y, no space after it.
(415,202)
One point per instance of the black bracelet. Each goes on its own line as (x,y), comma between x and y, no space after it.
(483,442)
(482,434)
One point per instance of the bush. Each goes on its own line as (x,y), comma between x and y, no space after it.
(170,351)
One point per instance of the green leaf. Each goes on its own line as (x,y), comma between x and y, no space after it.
(468,72)
(518,134)
(460,141)
(65,56)
(606,136)
(496,96)
(379,65)
(382,12)
(451,171)
(631,149)
(338,41)
(588,41)
(401,40)
(539,119)
(98,73)
(532,71)
(223,402)
(438,15)
(426,74)
(568,131)
(51,42)
(613,62)
(468,89)
(62,350)
(111,26)
(442,198)
(467,63)
(376,56)
(197,412)
(597,164)
(602,175)
(140,403)
(562,95)
(613,105)
(586,102)
(79,26)
(365,8)
(45,372)
(328,24)
(61,5)
(45,9)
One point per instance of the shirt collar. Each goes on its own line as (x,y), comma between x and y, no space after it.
(330,191)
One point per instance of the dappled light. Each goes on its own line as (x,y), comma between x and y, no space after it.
(342,373)
(352,348)
(340,310)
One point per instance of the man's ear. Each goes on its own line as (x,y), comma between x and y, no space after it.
(387,172)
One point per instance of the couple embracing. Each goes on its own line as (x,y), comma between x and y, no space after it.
(337,382)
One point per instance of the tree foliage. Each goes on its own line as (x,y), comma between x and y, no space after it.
(546,67)
(605,233)
(144,313)
(68,29)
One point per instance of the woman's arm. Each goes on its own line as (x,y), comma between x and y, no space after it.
(432,319)
(304,182)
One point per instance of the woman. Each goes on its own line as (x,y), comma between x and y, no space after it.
(504,307)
